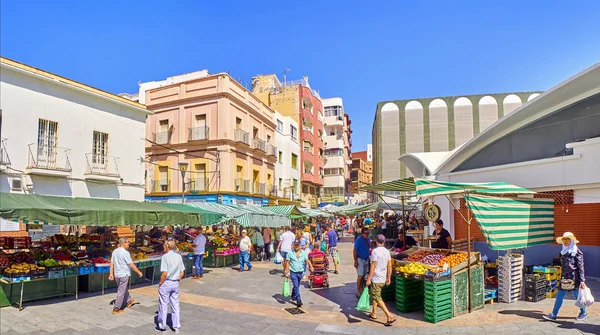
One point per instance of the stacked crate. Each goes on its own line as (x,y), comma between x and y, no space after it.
(388,293)
(535,287)
(552,275)
(409,295)
(438,300)
(510,277)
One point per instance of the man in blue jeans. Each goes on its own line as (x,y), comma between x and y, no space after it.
(294,269)
(245,246)
(199,245)
(361,253)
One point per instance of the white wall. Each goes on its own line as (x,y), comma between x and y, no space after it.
(285,144)
(26,98)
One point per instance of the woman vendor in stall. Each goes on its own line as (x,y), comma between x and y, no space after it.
(155,239)
(444,240)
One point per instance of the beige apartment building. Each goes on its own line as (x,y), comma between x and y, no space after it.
(218,131)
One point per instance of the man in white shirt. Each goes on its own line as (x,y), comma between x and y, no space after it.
(245,245)
(120,271)
(172,271)
(379,276)
(285,243)
(199,249)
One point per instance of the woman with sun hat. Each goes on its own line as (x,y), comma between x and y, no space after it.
(572,278)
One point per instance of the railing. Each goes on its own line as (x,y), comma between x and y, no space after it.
(242,136)
(260,145)
(309,150)
(199,184)
(199,133)
(308,171)
(271,150)
(4,159)
(242,185)
(48,158)
(272,189)
(161,185)
(259,188)
(163,137)
(102,165)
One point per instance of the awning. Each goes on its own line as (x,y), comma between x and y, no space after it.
(289,210)
(313,213)
(513,223)
(355,209)
(208,217)
(401,185)
(246,216)
(430,188)
(91,211)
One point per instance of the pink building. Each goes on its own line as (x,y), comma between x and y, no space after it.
(220,129)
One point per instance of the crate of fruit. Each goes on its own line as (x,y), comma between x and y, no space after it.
(85,270)
(70,271)
(102,268)
(55,273)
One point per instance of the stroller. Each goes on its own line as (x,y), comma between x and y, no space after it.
(318,277)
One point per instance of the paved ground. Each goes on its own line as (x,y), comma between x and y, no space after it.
(228,302)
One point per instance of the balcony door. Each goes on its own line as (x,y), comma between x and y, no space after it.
(99,151)
(46,144)
(200,183)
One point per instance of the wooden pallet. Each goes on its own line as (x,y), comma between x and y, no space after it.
(490,295)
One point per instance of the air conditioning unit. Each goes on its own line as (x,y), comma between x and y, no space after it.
(16,184)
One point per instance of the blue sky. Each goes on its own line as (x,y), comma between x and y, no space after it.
(364,52)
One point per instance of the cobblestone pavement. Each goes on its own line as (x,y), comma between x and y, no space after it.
(228,302)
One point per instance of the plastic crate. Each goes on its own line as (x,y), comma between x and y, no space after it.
(432,318)
(438,305)
(532,286)
(37,274)
(441,297)
(438,284)
(155,262)
(144,264)
(544,269)
(70,271)
(53,274)
(551,294)
(102,268)
(85,270)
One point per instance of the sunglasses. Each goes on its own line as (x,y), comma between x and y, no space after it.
(566,239)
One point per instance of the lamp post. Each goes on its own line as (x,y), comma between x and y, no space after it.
(183,168)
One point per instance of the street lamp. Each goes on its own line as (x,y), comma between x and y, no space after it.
(183,168)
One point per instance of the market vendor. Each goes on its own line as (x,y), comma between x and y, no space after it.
(404,242)
(444,240)
(155,239)
(230,230)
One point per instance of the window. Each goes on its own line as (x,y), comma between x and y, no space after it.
(294,132)
(163,126)
(334,111)
(280,157)
(279,126)
(238,123)
(279,184)
(47,138)
(294,162)
(307,146)
(199,183)
(201,120)
(295,185)
(334,152)
(99,149)
(163,173)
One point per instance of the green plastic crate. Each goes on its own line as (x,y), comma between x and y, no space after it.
(144,264)
(437,317)
(70,272)
(408,309)
(447,295)
(155,262)
(438,305)
(438,285)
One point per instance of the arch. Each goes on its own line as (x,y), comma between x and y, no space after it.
(488,112)
(414,128)
(438,125)
(533,96)
(510,103)
(463,121)
(390,141)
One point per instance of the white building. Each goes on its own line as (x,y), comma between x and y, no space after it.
(550,145)
(64,138)
(287,169)
(336,142)
(369,152)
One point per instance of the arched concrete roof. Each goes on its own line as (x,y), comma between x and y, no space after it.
(425,163)
(577,88)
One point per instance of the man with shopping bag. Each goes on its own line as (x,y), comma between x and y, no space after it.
(294,269)
(380,275)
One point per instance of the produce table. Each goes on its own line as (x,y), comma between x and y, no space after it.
(42,288)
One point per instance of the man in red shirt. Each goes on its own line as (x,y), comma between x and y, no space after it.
(319,257)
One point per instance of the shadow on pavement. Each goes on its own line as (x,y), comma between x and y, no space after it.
(536,315)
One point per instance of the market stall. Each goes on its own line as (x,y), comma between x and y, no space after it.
(455,280)
(60,265)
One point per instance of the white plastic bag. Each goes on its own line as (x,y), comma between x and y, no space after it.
(585,298)
(278,258)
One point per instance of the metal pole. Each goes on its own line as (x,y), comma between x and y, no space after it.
(468,249)
(403,224)
(182,187)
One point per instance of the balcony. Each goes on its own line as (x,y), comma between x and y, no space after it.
(333,142)
(272,190)
(242,136)
(259,188)
(160,186)
(259,145)
(163,137)
(242,185)
(48,161)
(102,168)
(4,159)
(199,133)
(271,150)
(334,121)
(199,185)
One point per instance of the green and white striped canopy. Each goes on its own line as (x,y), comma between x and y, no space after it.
(401,185)
(513,223)
(313,213)
(354,209)
(246,216)
(430,188)
(289,210)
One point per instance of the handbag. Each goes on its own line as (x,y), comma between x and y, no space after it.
(567,284)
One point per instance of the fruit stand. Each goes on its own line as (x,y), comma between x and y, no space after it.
(435,281)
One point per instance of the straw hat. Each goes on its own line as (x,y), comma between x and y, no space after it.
(567,235)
